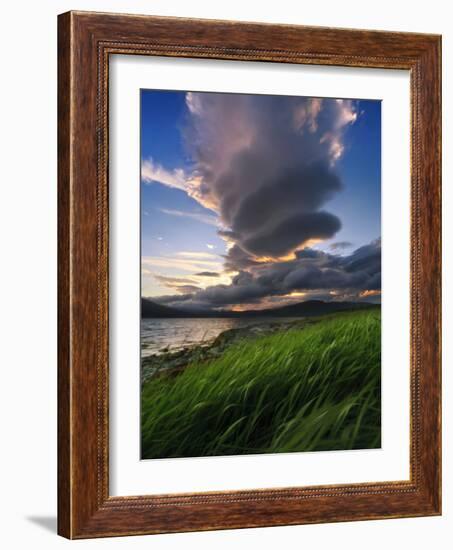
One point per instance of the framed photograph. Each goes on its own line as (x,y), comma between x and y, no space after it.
(249,275)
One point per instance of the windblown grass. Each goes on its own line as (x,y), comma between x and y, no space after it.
(315,389)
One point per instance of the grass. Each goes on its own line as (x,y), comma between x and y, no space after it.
(311,389)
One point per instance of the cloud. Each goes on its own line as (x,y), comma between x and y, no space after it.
(340,245)
(238,259)
(311,273)
(367,257)
(266,165)
(189,254)
(207,274)
(189,264)
(173,280)
(181,285)
(197,216)
(186,289)
(280,239)
(152,172)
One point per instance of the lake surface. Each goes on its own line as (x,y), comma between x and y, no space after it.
(174,334)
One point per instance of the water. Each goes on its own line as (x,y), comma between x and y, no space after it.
(174,334)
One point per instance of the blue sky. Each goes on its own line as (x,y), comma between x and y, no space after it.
(210,164)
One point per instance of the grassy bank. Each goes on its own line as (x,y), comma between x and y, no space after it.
(313,389)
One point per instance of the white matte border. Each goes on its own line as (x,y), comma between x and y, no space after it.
(128,474)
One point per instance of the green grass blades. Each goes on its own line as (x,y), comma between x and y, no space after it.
(311,389)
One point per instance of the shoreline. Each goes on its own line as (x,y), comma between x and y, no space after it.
(172,363)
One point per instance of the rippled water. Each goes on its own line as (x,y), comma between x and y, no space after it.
(173,334)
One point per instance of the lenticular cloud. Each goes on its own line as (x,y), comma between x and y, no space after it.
(266,165)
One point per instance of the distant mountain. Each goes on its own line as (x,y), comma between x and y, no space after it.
(151,309)
(309,308)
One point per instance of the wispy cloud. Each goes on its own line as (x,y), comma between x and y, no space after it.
(197,216)
(188,254)
(208,274)
(174,280)
(182,285)
(151,172)
(186,277)
(184,264)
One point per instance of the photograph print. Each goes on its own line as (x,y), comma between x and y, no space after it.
(260,274)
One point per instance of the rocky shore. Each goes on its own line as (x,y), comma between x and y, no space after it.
(171,363)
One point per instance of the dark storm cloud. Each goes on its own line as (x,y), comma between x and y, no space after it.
(318,269)
(238,259)
(315,272)
(366,257)
(284,237)
(266,165)
(309,253)
(283,213)
(311,277)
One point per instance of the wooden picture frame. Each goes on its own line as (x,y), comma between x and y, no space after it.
(85,42)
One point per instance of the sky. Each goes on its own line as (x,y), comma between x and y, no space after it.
(257,201)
